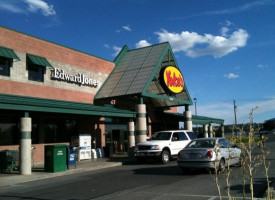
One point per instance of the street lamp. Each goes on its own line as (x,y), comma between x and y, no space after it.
(195,101)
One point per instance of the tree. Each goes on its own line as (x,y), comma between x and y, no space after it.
(269,124)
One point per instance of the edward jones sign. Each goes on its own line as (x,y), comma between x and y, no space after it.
(80,79)
(172,79)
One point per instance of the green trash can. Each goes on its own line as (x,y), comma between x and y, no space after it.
(55,158)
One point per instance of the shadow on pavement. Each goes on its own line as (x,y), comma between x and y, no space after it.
(259,188)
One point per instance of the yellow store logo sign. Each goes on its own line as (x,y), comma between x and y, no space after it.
(172,79)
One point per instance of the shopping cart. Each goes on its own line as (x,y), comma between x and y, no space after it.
(9,160)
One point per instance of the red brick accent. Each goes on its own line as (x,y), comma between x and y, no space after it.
(26,89)
(28,44)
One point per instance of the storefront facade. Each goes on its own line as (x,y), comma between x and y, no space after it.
(50,94)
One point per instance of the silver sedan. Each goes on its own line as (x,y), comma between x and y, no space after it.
(210,153)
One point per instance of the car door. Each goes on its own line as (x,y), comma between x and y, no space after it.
(235,154)
(175,143)
(224,150)
(181,142)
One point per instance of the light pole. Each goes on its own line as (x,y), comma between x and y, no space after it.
(195,101)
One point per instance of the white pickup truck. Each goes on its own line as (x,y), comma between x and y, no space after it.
(164,145)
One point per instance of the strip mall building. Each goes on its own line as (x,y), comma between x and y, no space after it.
(50,94)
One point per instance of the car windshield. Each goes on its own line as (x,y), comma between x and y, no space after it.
(201,144)
(161,136)
(192,135)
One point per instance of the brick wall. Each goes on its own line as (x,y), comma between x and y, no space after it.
(71,61)
(25,43)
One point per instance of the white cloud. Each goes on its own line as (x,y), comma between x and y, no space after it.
(117,50)
(224,31)
(142,43)
(231,76)
(216,46)
(36,5)
(11,6)
(262,66)
(107,46)
(33,6)
(127,28)
(223,110)
(239,9)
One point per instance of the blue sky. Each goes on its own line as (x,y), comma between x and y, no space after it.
(225,49)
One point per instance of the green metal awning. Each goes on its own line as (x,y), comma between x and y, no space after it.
(196,120)
(38,60)
(33,104)
(8,53)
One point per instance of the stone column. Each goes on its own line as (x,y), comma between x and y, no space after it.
(210,131)
(141,123)
(222,130)
(205,131)
(188,119)
(131,138)
(25,145)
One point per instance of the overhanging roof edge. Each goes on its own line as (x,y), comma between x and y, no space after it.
(14,102)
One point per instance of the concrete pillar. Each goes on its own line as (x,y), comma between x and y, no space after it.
(141,127)
(25,145)
(188,119)
(222,130)
(210,131)
(205,131)
(131,138)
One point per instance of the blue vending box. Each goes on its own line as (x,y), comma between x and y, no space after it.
(71,159)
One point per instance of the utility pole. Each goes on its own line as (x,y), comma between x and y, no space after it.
(235,108)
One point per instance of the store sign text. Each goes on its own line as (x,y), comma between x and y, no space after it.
(59,74)
(173,79)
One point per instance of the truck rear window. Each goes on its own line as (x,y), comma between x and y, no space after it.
(192,135)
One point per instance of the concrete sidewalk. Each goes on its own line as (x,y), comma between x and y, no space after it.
(14,177)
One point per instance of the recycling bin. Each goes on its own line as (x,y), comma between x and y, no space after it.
(9,160)
(55,158)
(71,156)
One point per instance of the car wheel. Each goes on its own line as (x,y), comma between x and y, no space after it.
(165,157)
(221,166)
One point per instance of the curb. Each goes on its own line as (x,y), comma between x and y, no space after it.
(17,179)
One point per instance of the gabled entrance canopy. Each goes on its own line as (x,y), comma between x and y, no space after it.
(137,75)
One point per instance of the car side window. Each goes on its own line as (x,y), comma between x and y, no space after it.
(175,137)
(182,136)
(224,143)
(221,143)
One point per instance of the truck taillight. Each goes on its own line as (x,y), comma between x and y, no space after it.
(209,154)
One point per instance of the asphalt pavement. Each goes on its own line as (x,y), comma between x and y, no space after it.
(38,173)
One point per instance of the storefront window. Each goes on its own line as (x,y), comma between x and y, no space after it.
(5,64)
(60,130)
(36,72)
(9,133)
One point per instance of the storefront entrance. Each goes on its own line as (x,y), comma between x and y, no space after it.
(117,142)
